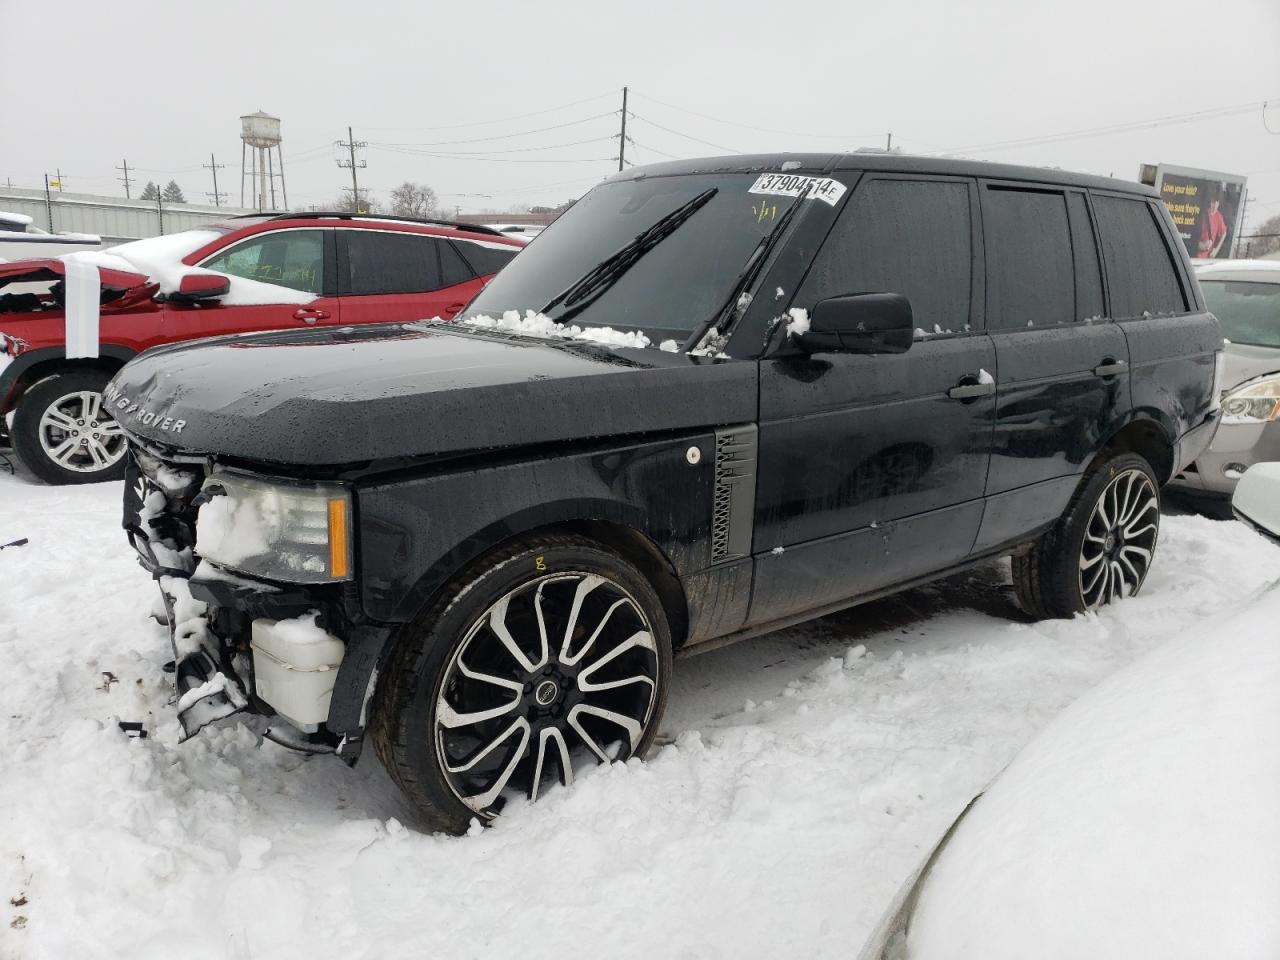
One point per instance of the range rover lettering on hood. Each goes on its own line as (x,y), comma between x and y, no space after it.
(122,406)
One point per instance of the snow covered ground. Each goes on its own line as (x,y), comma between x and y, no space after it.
(809,772)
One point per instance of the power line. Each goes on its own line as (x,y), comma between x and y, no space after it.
(645,146)
(480,153)
(521,116)
(502,136)
(484,159)
(636,116)
(749,126)
(1110,129)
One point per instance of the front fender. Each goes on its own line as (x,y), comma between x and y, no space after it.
(416,534)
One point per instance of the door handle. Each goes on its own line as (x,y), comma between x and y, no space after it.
(1110,367)
(453,308)
(970,388)
(309,315)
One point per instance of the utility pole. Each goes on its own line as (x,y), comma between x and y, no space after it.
(889,145)
(351,144)
(622,137)
(48,203)
(124,165)
(58,171)
(214,166)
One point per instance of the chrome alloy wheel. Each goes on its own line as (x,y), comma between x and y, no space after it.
(77,434)
(561,670)
(1119,539)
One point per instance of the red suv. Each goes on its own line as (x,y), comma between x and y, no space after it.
(67,325)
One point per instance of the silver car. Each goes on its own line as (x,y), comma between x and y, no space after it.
(1245,297)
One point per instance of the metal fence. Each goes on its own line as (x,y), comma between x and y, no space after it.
(114,219)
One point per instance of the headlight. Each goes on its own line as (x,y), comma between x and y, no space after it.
(300,532)
(1257,401)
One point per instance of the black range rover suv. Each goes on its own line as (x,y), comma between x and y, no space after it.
(480,543)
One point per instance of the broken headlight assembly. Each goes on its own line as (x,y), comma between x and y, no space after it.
(1256,401)
(276,529)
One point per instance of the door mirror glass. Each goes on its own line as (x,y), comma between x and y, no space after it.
(201,286)
(860,323)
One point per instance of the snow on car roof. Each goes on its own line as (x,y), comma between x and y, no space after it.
(160,258)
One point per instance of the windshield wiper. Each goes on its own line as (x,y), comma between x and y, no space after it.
(732,307)
(605,274)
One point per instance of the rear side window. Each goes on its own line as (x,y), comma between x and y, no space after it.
(911,237)
(453,269)
(1140,271)
(486,258)
(384,262)
(1030,280)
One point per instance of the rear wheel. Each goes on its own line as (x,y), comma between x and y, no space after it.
(550,656)
(63,433)
(1101,550)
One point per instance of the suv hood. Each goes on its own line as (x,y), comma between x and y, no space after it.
(341,396)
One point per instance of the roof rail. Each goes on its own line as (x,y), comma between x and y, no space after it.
(347,215)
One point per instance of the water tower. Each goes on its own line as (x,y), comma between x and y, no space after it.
(261,131)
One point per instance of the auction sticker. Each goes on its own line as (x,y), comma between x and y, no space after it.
(788,185)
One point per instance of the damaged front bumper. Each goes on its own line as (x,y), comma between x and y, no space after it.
(222,625)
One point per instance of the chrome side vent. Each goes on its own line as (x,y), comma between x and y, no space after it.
(734,495)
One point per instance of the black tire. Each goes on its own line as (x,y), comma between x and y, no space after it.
(1056,577)
(419,724)
(81,461)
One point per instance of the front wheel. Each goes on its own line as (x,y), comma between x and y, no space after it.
(1101,550)
(547,657)
(63,433)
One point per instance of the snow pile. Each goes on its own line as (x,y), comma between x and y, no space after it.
(160,259)
(1141,823)
(798,325)
(534,324)
(780,831)
(233,529)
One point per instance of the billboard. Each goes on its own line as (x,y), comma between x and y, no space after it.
(1206,206)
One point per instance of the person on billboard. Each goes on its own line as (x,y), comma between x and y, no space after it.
(1213,230)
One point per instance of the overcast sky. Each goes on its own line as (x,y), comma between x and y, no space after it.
(163,84)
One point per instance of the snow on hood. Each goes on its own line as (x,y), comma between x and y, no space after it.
(160,258)
(1140,823)
(534,324)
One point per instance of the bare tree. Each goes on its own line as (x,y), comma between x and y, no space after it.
(414,200)
(1263,239)
(343,204)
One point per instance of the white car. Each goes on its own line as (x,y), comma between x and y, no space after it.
(1140,823)
(1245,297)
(21,239)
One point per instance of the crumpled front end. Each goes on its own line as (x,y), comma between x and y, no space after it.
(242,644)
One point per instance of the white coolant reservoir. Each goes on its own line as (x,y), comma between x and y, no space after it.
(295,665)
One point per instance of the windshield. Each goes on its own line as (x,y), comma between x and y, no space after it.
(1249,311)
(675,286)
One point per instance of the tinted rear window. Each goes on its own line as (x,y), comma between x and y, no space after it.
(1030,281)
(911,237)
(1140,271)
(486,258)
(384,262)
(1249,312)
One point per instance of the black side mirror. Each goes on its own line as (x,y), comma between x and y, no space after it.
(860,323)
